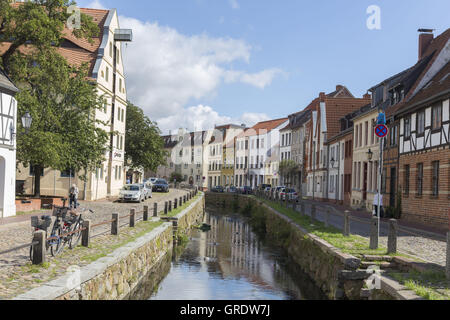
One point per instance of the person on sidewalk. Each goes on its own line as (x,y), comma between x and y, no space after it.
(73,196)
(375,206)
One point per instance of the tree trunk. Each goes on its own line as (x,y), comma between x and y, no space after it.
(37,180)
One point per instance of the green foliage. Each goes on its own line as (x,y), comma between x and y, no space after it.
(176,176)
(144,147)
(40,23)
(64,132)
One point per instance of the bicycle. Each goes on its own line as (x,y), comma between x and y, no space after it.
(75,221)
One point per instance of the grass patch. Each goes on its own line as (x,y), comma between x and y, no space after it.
(430,285)
(354,244)
(178,210)
(29,213)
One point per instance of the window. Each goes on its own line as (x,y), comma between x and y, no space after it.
(356,136)
(407,132)
(360,135)
(436,117)
(435,178)
(69,173)
(110,50)
(419,179)
(393,135)
(262,143)
(383,181)
(120,85)
(105,107)
(107,74)
(366,125)
(421,123)
(406,179)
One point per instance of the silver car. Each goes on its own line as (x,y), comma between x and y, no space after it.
(147,189)
(132,192)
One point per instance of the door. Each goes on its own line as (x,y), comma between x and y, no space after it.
(365,182)
(392,188)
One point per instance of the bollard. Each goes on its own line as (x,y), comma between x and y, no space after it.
(166,207)
(313,212)
(132,218)
(155,209)
(181,202)
(39,248)
(115,224)
(170,206)
(327,218)
(184,199)
(145,216)
(175,203)
(392,236)
(86,233)
(347,223)
(302,208)
(286,200)
(447,269)
(374,234)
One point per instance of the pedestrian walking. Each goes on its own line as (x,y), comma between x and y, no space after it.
(73,196)
(375,206)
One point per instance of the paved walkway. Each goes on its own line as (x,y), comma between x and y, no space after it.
(423,242)
(17,231)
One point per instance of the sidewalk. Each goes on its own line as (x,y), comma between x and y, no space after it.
(414,227)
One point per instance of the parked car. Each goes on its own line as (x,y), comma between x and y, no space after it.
(290,193)
(160,185)
(278,190)
(132,192)
(246,190)
(218,189)
(147,189)
(232,190)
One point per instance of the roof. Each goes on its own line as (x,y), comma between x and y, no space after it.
(77,50)
(437,87)
(6,84)
(265,127)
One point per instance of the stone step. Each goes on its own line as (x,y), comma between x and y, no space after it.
(382,265)
(377,258)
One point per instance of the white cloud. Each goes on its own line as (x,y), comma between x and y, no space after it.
(96,4)
(234,4)
(166,69)
(203,118)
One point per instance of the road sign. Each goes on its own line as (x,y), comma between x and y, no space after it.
(381,131)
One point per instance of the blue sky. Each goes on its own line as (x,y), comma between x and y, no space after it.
(268,58)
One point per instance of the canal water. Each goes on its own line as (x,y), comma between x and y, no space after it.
(230,262)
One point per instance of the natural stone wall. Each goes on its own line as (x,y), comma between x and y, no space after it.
(193,215)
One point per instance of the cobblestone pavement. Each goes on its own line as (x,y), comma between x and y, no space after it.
(17,275)
(13,235)
(422,244)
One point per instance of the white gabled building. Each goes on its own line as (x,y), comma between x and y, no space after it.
(8,119)
(106,69)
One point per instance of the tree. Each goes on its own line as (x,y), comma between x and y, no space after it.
(144,147)
(287,168)
(62,102)
(176,176)
(39,23)
(64,133)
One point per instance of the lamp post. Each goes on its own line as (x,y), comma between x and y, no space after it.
(370,155)
(27,120)
(332,161)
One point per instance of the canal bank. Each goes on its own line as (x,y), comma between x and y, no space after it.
(121,274)
(339,274)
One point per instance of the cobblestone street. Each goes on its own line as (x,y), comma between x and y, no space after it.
(422,244)
(16,234)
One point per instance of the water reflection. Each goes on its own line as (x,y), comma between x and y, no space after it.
(231,262)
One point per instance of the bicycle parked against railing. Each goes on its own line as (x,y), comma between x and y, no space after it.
(65,230)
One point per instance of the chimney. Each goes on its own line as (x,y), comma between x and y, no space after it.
(322,96)
(367,96)
(425,38)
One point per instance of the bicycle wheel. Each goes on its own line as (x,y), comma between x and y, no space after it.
(75,238)
(58,244)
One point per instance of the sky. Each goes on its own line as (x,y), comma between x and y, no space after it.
(198,63)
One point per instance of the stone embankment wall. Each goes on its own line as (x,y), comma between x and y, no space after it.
(126,273)
(336,273)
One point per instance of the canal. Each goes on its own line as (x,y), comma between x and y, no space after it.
(231,262)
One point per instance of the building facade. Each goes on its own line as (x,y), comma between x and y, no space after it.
(8,117)
(104,56)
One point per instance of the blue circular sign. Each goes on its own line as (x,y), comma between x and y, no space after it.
(381,131)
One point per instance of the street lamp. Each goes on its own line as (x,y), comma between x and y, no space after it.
(332,161)
(370,155)
(26,121)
